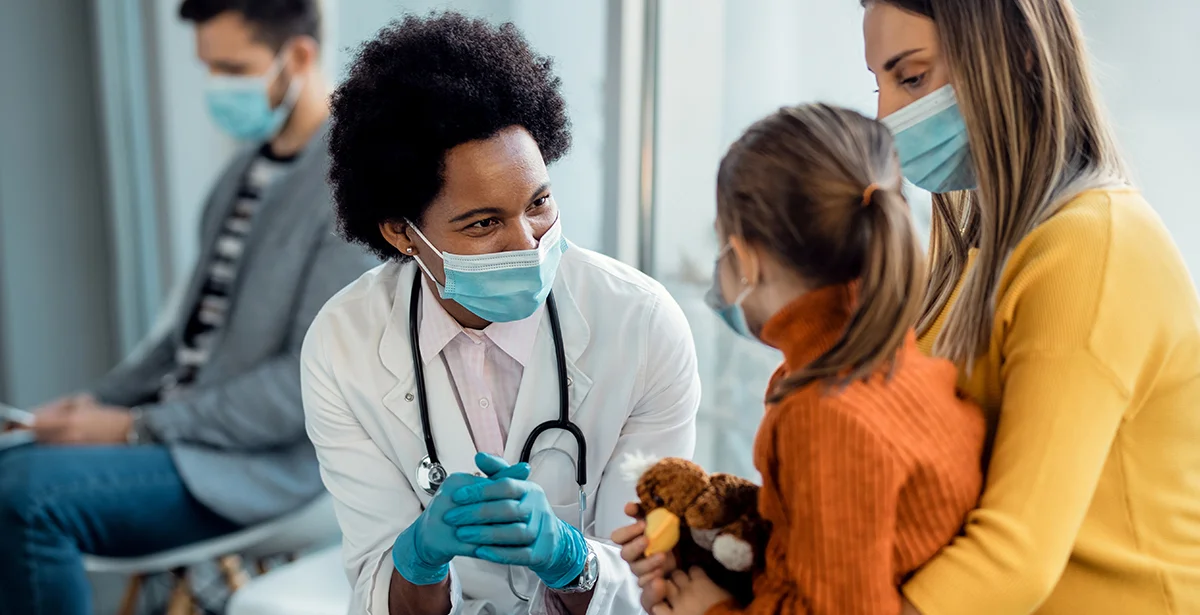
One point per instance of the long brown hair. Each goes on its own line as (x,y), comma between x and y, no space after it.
(819,188)
(1038,138)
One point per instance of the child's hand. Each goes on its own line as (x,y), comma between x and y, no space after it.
(691,594)
(651,572)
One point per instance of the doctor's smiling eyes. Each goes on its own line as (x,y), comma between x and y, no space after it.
(539,208)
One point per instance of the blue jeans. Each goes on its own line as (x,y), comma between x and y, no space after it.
(57,503)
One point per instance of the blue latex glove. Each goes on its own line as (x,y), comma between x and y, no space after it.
(512,522)
(422,553)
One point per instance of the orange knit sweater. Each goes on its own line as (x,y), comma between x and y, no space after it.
(864,484)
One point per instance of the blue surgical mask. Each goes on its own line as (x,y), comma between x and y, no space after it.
(241,106)
(931,138)
(732,314)
(502,286)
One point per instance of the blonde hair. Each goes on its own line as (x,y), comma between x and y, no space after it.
(819,187)
(1038,138)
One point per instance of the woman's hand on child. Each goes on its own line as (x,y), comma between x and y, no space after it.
(652,572)
(691,593)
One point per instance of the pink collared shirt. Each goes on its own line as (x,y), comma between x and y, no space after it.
(485,366)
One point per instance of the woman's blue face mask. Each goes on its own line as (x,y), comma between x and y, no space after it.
(502,286)
(931,138)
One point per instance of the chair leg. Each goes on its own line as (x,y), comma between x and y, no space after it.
(235,575)
(132,592)
(181,602)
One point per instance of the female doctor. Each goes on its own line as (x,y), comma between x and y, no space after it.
(486,339)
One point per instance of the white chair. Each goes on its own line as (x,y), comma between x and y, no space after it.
(310,527)
(313,585)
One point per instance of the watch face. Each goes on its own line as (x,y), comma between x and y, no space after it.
(587,580)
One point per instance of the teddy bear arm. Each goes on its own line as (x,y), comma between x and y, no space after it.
(742,544)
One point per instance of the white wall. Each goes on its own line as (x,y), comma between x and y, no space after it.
(574,35)
(1145,62)
(55,318)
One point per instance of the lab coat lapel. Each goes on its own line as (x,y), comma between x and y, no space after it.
(537,398)
(455,447)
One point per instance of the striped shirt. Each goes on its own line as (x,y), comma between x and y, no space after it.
(209,315)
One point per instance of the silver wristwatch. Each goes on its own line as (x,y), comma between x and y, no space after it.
(586,581)
(138,433)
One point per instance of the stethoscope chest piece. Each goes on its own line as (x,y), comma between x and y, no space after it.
(430,476)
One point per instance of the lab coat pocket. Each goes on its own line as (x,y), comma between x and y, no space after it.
(569,511)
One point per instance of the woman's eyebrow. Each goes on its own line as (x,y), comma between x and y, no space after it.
(891,63)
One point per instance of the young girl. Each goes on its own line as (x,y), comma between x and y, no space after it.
(869,459)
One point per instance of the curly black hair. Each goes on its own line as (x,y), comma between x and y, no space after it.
(420,88)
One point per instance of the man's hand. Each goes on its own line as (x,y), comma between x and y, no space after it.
(62,403)
(81,420)
(652,572)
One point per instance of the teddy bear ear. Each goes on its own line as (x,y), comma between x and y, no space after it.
(635,464)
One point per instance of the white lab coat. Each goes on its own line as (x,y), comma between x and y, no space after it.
(634,387)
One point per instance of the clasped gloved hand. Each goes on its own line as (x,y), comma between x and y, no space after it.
(422,553)
(511,521)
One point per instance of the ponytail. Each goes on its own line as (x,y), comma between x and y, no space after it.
(819,186)
(889,295)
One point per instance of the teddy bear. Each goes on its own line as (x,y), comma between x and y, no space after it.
(709,520)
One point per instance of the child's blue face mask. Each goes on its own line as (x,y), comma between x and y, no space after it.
(931,138)
(731,314)
(502,286)
(241,106)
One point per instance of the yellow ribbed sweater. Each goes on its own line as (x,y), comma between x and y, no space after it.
(1092,499)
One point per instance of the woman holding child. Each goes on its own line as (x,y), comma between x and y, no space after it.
(1060,297)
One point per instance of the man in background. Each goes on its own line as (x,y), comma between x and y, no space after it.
(202,432)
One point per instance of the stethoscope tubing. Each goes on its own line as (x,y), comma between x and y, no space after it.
(564,401)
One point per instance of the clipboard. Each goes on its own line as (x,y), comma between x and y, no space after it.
(16,427)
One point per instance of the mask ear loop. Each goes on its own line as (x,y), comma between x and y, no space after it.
(277,62)
(744,281)
(288,104)
(749,288)
(292,94)
(421,263)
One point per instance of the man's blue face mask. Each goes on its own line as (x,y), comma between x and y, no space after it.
(931,138)
(503,286)
(241,106)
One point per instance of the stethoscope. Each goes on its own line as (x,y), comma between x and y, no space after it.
(431,473)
